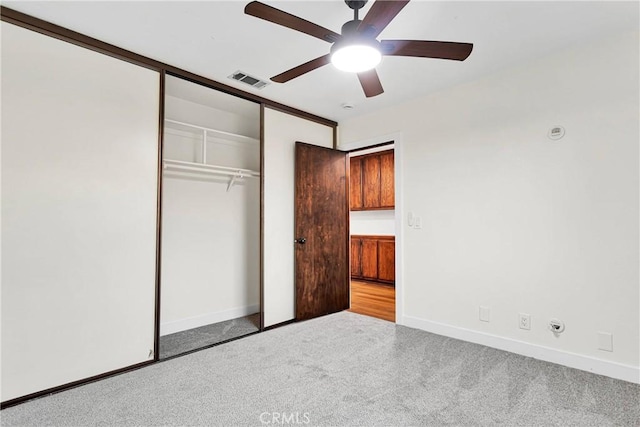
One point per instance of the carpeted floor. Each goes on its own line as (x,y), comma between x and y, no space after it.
(192,339)
(342,369)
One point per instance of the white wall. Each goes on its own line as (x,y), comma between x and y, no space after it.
(216,118)
(281,131)
(520,223)
(210,236)
(372,223)
(79,195)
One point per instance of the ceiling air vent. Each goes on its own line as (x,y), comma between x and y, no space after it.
(250,80)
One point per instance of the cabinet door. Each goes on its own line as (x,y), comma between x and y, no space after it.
(356,257)
(371,182)
(386,261)
(387,192)
(370,259)
(355,192)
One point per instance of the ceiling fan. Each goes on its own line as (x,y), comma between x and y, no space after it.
(356,48)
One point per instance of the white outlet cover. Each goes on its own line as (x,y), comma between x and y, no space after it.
(484,313)
(605,341)
(524,321)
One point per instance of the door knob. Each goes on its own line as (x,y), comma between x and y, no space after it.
(301,240)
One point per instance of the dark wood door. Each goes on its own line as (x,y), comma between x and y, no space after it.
(321,219)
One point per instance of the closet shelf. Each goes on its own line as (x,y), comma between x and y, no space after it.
(234,174)
(178,125)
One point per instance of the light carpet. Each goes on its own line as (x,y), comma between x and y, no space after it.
(342,369)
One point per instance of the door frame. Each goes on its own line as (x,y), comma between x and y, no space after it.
(377,141)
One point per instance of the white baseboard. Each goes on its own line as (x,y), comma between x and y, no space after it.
(572,360)
(206,319)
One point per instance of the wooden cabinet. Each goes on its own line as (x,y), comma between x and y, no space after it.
(372,181)
(373,258)
(356,257)
(355,187)
(387,182)
(369,255)
(386,261)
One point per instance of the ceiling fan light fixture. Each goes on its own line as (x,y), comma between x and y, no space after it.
(356,49)
(355,57)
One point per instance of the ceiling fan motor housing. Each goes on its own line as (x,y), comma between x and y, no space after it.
(356,39)
(355,4)
(351,36)
(350,28)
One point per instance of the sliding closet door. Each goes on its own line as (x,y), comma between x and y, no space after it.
(79,206)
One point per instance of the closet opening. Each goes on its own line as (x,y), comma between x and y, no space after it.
(372,231)
(210,235)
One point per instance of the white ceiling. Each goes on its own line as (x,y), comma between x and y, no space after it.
(215,38)
(184,89)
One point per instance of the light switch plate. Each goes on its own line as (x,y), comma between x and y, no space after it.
(418,222)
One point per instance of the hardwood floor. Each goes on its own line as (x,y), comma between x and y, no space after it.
(373,300)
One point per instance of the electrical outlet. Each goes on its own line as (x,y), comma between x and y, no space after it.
(605,341)
(484,313)
(524,321)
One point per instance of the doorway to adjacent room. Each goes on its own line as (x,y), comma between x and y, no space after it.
(372,231)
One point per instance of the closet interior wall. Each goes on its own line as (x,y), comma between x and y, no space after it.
(210,264)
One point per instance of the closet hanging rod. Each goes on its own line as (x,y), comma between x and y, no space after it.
(209,169)
(216,131)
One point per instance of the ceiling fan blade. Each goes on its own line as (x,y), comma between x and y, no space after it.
(370,83)
(381,13)
(271,14)
(427,49)
(302,69)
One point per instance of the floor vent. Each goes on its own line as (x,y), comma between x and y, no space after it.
(250,80)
